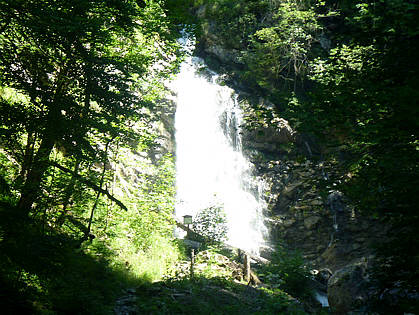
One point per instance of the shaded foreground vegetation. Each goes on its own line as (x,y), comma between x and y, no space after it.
(47,272)
(213,296)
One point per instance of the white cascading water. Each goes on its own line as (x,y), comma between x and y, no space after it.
(211,169)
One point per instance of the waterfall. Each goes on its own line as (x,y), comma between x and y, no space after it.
(210,166)
(321,298)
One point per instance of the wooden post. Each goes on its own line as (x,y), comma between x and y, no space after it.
(192,262)
(246,267)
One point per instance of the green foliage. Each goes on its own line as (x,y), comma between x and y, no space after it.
(395,270)
(272,40)
(211,223)
(236,20)
(287,271)
(281,51)
(142,235)
(366,99)
(44,270)
(79,84)
(77,76)
(46,274)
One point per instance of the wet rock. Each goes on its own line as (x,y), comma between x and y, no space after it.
(300,208)
(396,295)
(282,205)
(281,134)
(329,255)
(274,136)
(320,248)
(315,202)
(266,252)
(335,201)
(356,246)
(224,55)
(322,276)
(126,304)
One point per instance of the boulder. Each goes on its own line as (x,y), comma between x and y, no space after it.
(224,55)
(347,288)
(323,275)
(270,137)
(335,201)
(396,295)
(316,202)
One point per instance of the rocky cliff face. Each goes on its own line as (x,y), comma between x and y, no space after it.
(324,226)
(321,224)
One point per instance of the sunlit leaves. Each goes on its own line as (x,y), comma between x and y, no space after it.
(211,224)
(88,68)
(280,52)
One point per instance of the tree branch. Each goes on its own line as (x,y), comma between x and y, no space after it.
(90,184)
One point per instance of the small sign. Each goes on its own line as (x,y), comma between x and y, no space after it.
(187,219)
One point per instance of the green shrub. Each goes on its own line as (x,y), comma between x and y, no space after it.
(288,272)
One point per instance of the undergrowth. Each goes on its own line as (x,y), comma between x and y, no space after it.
(289,272)
(43,271)
(216,295)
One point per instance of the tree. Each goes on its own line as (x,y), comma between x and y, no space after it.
(77,67)
(364,102)
(78,84)
(211,224)
(279,52)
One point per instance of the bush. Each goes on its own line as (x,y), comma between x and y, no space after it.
(288,272)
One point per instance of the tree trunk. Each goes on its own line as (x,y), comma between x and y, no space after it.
(102,179)
(68,192)
(31,188)
(32,184)
(246,267)
(28,156)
